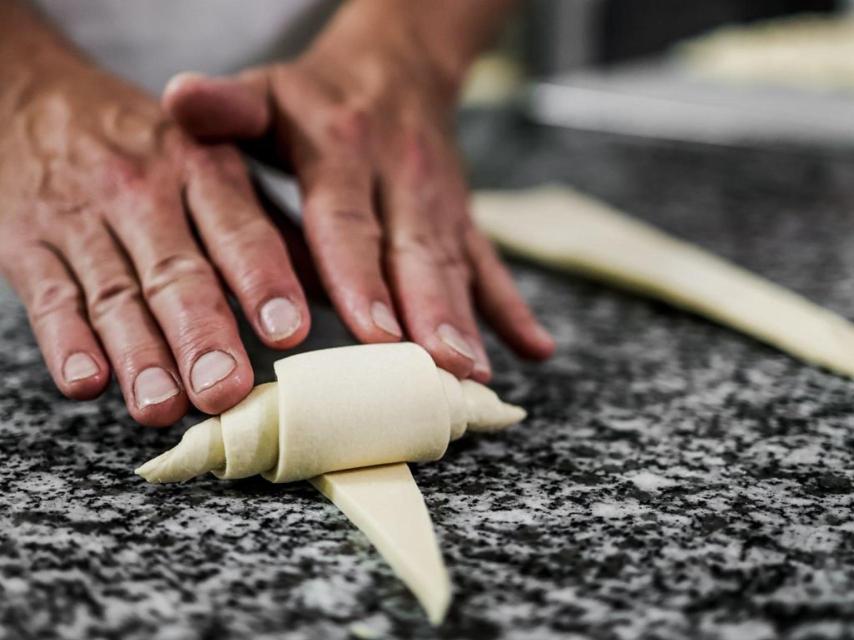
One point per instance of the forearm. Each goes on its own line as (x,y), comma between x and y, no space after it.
(456,31)
(450,33)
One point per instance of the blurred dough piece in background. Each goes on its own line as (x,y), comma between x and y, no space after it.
(807,51)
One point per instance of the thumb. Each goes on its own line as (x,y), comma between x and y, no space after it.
(219,108)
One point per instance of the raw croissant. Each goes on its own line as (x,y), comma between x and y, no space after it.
(336,409)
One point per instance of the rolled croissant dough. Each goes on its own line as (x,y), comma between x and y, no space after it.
(339,417)
(335,409)
(562,228)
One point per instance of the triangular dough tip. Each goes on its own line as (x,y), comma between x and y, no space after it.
(199,451)
(486,411)
(386,505)
(437,608)
(145,469)
(149,470)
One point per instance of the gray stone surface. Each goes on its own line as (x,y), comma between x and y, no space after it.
(674,479)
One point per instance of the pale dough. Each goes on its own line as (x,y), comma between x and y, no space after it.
(803,52)
(335,409)
(385,503)
(562,228)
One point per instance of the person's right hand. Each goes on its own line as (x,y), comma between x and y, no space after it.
(114,230)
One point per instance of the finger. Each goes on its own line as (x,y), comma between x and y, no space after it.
(418,271)
(423,264)
(345,239)
(143,364)
(246,247)
(501,303)
(424,200)
(55,309)
(297,248)
(182,291)
(458,278)
(220,108)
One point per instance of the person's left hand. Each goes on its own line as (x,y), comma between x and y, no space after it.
(366,125)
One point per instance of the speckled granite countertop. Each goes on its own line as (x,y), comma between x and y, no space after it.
(674,479)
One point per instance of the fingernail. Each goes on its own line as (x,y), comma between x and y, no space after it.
(481,361)
(454,339)
(153,386)
(385,320)
(79,366)
(280,318)
(210,368)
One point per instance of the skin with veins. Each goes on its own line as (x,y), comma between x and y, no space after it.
(562,228)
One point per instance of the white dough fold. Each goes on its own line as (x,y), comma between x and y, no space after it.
(336,409)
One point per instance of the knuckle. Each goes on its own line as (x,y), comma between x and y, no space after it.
(350,125)
(441,254)
(414,244)
(416,162)
(254,242)
(222,169)
(196,338)
(52,295)
(110,295)
(355,219)
(455,264)
(452,258)
(253,257)
(121,174)
(173,270)
(223,159)
(253,278)
(256,281)
(142,352)
(331,215)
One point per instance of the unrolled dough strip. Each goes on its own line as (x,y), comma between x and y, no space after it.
(562,228)
(385,503)
(347,410)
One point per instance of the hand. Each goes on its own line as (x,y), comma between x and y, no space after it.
(101,199)
(364,119)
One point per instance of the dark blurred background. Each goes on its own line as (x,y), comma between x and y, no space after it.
(728,72)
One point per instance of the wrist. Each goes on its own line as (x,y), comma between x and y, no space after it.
(413,40)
